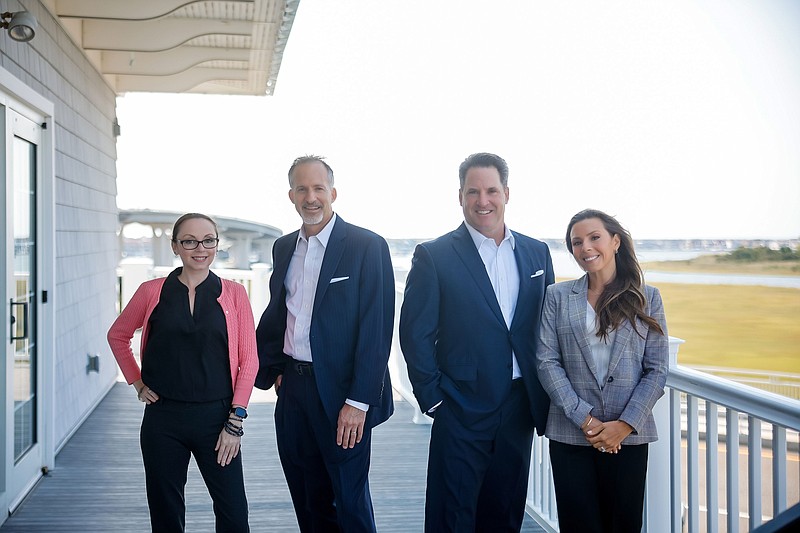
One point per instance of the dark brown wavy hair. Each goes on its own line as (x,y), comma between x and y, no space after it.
(623,298)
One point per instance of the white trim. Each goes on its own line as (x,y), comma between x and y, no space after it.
(17,96)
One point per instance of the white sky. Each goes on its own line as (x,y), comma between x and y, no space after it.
(682,118)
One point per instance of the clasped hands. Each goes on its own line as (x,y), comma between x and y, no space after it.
(606,437)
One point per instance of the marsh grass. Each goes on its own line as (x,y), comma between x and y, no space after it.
(748,327)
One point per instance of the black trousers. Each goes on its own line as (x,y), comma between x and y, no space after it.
(171,433)
(478,478)
(329,485)
(599,492)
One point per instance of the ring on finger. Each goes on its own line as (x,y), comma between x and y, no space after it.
(602,449)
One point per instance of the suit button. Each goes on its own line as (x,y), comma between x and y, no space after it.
(610,379)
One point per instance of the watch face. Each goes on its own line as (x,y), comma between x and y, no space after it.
(241,412)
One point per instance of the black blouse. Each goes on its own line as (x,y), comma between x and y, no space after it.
(186,357)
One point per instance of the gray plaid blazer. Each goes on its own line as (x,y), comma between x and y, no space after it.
(637,371)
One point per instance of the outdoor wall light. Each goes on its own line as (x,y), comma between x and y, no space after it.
(21,25)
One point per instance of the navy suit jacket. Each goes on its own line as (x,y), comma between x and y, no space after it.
(453,335)
(351,323)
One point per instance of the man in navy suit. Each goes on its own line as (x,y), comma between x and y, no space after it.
(324,342)
(468,329)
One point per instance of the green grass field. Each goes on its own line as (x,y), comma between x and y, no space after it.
(747,327)
(710,264)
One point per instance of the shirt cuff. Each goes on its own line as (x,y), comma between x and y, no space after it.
(358,405)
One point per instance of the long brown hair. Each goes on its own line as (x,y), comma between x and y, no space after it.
(623,298)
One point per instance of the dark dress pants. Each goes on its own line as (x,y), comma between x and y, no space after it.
(478,478)
(329,485)
(171,433)
(599,492)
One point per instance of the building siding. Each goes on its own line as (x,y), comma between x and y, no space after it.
(86,247)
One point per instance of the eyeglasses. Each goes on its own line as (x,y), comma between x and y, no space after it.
(191,244)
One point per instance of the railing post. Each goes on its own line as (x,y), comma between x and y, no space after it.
(754,453)
(658,508)
(397,364)
(259,289)
(712,467)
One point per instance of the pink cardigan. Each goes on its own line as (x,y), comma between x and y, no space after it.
(238,318)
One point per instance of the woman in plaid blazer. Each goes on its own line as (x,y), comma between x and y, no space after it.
(603,359)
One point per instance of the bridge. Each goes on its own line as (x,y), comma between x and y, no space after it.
(243,241)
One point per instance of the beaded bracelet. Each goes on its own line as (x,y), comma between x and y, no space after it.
(233,429)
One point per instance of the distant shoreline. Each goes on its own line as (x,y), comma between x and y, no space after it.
(708,264)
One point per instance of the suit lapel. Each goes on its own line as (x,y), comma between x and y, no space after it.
(284,256)
(524,269)
(465,248)
(623,336)
(333,254)
(577,320)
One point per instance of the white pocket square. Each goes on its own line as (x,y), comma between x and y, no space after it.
(538,273)
(336,280)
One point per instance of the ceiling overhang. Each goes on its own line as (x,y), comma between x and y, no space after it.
(182,46)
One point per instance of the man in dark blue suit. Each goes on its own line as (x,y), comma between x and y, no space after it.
(468,329)
(324,342)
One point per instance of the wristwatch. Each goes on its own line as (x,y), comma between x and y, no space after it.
(241,412)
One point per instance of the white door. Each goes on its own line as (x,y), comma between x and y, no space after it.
(23,376)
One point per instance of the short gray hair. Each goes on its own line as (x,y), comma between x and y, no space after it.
(310,159)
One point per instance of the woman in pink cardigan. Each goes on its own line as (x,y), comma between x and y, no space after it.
(198,366)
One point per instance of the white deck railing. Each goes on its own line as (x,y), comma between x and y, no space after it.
(684,488)
(746,421)
(133,272)
(768,424)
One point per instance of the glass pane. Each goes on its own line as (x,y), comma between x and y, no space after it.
(23,305)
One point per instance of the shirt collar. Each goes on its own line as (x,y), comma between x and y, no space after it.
(478,238)
(323,236)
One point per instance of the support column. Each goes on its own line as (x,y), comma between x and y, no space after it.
(162,250)
(239,252)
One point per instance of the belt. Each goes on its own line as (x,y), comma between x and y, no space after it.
(302,368)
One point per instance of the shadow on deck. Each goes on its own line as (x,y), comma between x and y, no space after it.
(98,480)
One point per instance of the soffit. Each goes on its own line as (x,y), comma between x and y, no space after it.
(182,46)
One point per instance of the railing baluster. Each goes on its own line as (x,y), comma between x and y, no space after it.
(778,470)
(551,491)
(754,470)
(732,469)
(675,458)
(712,470)
(692,463)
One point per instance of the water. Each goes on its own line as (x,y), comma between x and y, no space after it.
(565,267)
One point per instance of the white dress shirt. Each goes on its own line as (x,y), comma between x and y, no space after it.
(601,350)
(501,267)
(301,282)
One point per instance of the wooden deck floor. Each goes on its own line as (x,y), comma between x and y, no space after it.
(98,482)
